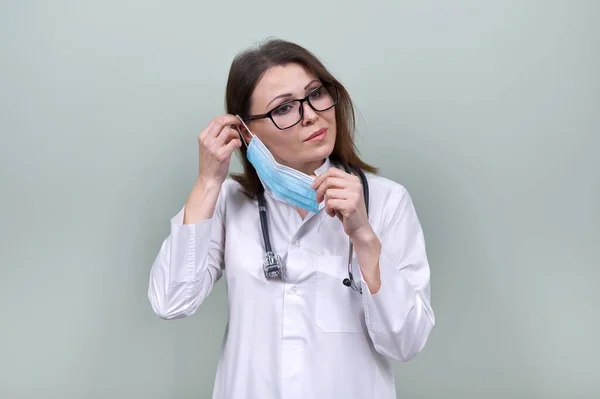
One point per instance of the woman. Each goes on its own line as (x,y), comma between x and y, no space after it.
(302,323)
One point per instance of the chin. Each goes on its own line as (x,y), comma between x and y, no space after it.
(328,146)
(320,153)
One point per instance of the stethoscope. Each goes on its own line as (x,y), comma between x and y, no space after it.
(275,268)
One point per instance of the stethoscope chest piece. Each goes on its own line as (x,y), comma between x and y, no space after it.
(274,267)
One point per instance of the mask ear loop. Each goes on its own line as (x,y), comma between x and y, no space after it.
(240,132)
(321,220)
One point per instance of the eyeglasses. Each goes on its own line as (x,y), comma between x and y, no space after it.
(291,112)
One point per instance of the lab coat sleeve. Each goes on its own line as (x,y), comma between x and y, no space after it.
(399,316)
(188,264)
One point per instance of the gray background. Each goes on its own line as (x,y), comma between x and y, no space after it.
(487,111)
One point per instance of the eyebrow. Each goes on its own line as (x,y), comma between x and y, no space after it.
(290,94)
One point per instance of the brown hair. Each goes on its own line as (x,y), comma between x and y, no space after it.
(246,70)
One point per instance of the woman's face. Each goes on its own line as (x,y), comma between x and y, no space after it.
(296,146)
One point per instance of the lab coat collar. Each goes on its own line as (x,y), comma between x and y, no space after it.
(323,168)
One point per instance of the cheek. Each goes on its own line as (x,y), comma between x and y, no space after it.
(332,126)
(331,121)
(281,145)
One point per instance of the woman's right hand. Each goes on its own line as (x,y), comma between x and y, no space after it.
(216,143)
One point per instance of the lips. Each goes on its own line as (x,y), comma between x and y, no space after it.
(317,134)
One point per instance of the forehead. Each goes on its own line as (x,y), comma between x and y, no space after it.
(281,79)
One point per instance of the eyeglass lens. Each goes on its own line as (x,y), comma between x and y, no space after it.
(289,113)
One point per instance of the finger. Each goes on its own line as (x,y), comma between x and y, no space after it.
(331,172)
(332,182)
(225,136)
(336,193)
(351,201)
(225,152)
(218,123)
(334,206)
(203,134)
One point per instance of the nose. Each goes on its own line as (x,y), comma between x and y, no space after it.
(309,116)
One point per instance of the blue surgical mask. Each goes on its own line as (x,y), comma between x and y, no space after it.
(285,183)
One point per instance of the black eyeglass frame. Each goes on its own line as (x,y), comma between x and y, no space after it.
(302,101)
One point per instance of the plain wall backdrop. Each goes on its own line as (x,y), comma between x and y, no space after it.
(487,111)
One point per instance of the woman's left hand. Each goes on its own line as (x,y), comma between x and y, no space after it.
(343,195)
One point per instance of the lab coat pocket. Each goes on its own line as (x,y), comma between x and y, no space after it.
(338,308)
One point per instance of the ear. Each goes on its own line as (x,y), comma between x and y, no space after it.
(244,132)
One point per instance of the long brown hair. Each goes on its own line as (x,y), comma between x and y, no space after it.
(246,70)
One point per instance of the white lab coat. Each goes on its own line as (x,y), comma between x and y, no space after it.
(311,336)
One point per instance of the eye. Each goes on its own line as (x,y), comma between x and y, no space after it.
(282,109)
(316,93)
